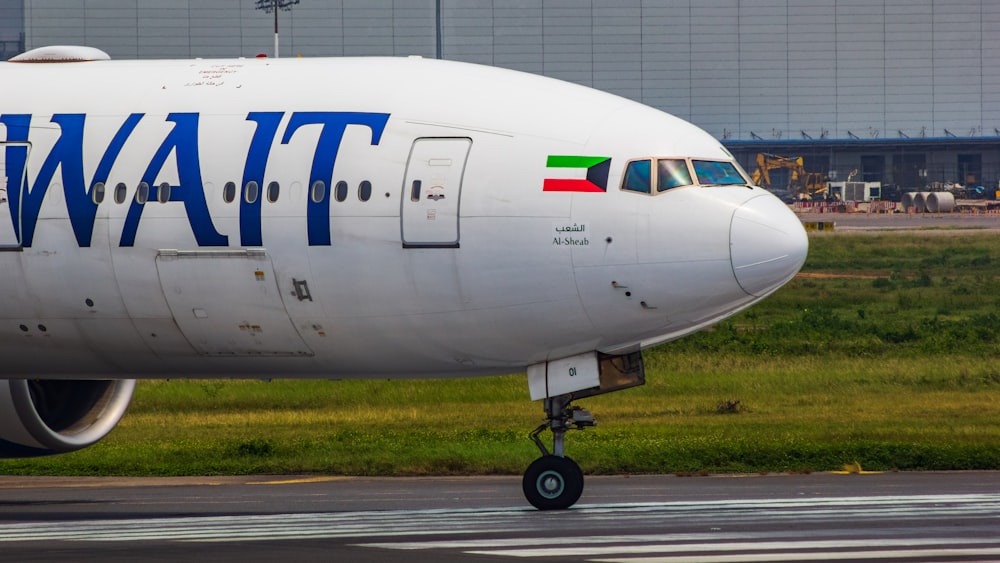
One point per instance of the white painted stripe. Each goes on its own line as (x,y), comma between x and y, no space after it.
(358,525)
(401,523)
(814,501)
(810,556)
(784,514)
(490,543)
(548,541)
(590,551)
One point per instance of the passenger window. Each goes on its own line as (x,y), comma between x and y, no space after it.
(97,193)
(365,190)
(341,192)
(671,173)
(715,173)
(637,177)
(272,192)
(163,194)
(142,193)
(318,191)
(229,192)
(120,191)
(251,191)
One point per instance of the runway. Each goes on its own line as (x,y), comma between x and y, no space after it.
(926,223)
(949,516)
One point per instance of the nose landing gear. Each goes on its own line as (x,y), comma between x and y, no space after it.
(554,481)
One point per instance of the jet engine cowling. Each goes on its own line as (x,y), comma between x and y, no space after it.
(43,417)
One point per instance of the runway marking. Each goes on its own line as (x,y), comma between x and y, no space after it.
(299,481)
(811,556)
(591,551)
(549,541)
(838,528)
(439,521)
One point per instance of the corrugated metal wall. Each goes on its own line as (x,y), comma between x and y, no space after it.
(160,29)
(11,29)
(742,69)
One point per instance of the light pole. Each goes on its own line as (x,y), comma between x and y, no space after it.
(272,6)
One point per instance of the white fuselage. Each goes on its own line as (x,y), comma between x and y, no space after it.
(386,217)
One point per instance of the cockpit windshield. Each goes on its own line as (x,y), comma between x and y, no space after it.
(638,177)
(716,173)
(665,174)
(672,173)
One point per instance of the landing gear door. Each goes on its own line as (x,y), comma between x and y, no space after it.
(432,192)
(586,375)
(13,158)
(559,377)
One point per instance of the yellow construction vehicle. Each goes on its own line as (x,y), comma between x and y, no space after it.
(802,185)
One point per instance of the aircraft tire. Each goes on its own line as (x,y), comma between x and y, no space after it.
(553,483)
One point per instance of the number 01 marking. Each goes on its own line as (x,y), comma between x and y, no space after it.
(572,372)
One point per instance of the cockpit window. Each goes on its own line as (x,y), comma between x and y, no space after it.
(671,173)
(637,177)
(716,173)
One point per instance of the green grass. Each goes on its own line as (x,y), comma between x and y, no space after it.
(890,361)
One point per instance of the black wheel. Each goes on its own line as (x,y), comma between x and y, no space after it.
(553,483)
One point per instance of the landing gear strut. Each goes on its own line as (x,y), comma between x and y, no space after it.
(554,481)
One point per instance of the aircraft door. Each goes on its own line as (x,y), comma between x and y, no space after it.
(10,192)
(432,192)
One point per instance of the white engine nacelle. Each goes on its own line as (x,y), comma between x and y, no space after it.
(43,417)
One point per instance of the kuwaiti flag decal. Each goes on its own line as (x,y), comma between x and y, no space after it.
(597,168)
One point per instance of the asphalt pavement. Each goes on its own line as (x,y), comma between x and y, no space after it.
(936,516)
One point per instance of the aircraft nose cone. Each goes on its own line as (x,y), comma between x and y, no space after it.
(767,243)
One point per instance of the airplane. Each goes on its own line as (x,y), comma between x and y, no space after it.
(354,218)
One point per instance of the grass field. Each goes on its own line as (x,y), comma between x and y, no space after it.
(884,353)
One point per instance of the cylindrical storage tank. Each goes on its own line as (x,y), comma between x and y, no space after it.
(907,201)
(920,202)
(940,202)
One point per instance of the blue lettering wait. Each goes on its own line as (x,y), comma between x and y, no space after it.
(66,157)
